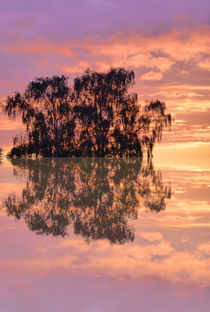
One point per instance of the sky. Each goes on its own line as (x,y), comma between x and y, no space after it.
(166,43)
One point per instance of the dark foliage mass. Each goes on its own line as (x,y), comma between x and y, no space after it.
(95,196)
(96,117)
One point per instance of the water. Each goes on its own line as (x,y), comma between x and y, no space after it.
(104,235)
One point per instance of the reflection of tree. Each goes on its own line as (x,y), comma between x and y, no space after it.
(97,196)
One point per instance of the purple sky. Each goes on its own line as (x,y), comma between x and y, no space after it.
(69,22)
(166,43)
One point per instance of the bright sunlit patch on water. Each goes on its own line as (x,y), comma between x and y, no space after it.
(191,156)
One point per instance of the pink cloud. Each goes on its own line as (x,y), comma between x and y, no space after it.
(41,46)
(151,75)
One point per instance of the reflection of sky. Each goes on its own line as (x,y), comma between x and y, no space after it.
(166,268)
(166,44)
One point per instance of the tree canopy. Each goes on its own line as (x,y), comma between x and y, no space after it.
(97,116)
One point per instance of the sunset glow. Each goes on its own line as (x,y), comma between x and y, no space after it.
(106,234)
(167,46)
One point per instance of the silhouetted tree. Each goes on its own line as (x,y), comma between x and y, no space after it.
(96,196)
(111,120)
(45,108)
(107,113)
(98,117)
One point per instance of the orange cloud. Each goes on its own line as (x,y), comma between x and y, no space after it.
(151,75)
(135,50)
(74,69)
(40,46)
(6,124)
(171,66)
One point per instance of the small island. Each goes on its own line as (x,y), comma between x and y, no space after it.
(95,117)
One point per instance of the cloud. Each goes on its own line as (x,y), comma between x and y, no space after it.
(171,65)
(40,46)
(69,19)
(152,76)
(196,118)
(6,124)
(177,45)
(81,66)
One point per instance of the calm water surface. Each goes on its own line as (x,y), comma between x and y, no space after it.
(104,235)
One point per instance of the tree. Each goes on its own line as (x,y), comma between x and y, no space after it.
(112,121)
(107,113)
(47,114)
(97,117)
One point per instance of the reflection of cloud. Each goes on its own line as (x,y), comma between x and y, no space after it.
(43,263)
(151,236)
(161,249)
(7,228)
(174,266)
(73,243)
(205,63)
(175,248)
(205,248)
(134,262)
(197,194)
(7,187)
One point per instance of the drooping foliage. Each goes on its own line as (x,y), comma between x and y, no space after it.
(46,111)
(96,117)
(107,113)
